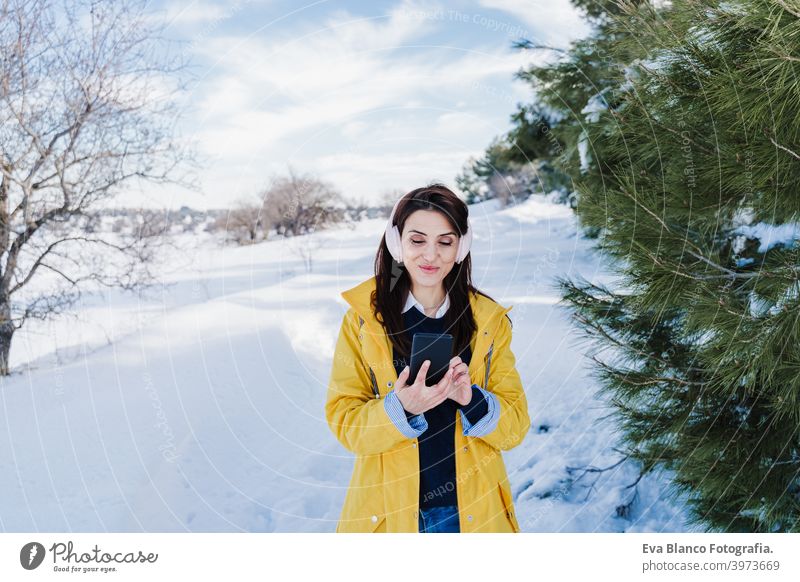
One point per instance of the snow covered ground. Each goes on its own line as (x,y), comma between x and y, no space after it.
(200,406)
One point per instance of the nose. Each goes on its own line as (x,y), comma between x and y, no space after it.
(429,253)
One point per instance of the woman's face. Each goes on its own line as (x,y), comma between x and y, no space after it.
(428,239)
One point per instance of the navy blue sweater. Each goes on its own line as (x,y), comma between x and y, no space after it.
(437,462)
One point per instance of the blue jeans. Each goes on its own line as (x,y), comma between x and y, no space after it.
(439,520)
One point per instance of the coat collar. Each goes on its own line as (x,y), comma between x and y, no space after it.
(360,296)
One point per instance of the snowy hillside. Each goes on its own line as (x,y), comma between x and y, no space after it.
(200,407)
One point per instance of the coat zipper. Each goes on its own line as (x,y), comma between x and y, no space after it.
(374,384)
(488,364)
(375,390)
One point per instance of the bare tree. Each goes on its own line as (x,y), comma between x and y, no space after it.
(83,113)
(243,223)
(356,208)
(301,203)
(387,201)
(514,185)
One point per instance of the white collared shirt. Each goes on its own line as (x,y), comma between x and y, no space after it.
(411,301)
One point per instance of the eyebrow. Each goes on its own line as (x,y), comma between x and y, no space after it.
(422,233)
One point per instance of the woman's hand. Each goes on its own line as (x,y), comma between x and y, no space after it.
(461,384)
(417,398)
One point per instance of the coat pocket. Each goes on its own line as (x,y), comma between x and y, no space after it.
(364,509)
(508,504)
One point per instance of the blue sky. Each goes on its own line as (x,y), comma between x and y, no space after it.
(370,96)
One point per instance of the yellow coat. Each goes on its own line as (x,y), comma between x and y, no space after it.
(383,495)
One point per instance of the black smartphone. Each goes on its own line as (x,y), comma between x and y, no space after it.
(436,347)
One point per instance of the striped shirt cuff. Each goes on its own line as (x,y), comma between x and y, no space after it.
(410,427)
(486,424)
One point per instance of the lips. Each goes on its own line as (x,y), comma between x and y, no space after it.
(429,269)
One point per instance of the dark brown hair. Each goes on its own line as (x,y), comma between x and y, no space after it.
(393,281)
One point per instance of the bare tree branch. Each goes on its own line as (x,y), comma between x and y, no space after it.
(79,121)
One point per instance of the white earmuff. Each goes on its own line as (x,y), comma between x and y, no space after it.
(396,248)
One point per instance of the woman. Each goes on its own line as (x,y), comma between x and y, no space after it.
(427,457)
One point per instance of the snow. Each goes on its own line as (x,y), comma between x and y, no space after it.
(769,235)
(583,151)
(199,406)
(595,106)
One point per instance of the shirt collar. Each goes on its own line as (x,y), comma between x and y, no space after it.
(411,301)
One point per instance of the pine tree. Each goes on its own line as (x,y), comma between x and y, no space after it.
(692,187)
(572,88)
(546,133)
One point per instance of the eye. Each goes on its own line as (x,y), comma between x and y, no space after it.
(419,242)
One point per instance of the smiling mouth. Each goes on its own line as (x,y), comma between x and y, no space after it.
(429,269)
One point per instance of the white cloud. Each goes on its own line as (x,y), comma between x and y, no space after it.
(354,129)
(263,100)
(374,92)
(458,127)
(405,21)
(554,22)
